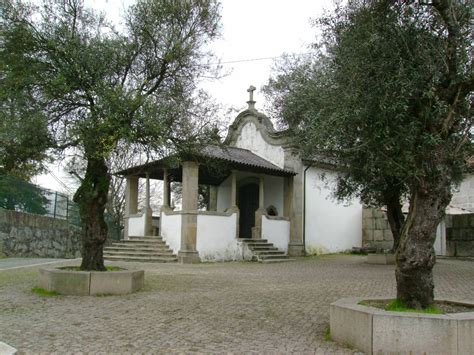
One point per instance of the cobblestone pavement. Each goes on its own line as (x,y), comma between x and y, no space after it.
(206,308)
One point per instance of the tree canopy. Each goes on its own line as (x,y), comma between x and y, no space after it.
(386,94)
(99,85)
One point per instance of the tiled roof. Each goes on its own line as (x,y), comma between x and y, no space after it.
(241,156)
(234,159)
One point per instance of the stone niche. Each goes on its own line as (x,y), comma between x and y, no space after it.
(375,331)
(91,283)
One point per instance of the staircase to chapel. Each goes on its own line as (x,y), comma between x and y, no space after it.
(265,252)
(144,249)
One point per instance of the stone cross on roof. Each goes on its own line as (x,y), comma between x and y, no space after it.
(251,102)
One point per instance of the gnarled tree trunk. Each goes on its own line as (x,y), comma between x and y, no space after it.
(92,198)
(415,255)
(395,218)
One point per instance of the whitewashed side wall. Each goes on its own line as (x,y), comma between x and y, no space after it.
(331,226)
(463,195)
(223,195)
(216,238)
(136,225)
(171,230)
(250,138)
(273,193)
(277,232)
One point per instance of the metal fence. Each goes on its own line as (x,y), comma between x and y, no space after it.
(21,196)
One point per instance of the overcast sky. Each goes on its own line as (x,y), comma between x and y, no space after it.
(251,29)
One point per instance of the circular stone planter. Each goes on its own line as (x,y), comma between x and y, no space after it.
(85,283)
(374,330)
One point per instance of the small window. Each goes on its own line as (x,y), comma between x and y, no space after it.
(272,211)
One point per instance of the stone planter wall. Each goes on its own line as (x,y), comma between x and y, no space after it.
(375,331)
(24,234)
(460,235)
(376,231)
(91,283)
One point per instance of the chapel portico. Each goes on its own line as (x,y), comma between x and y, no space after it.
(239,206)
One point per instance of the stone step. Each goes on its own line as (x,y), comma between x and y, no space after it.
(143,240)
(269,261)
(262,248)
(250,240)
(269,252)
(145,252)
(156,237)
(271,257)
(139,245)
(145,249)
(132,254)
(143,259)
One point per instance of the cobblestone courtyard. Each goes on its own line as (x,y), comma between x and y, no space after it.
(207,308)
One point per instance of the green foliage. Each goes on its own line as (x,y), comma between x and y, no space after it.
(327,334)
(44,293)
(19,195)
(24,137)
(100,87)
(374,97)
(398,306)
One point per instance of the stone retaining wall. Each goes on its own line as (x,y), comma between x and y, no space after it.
(460,235)
(376,231)
(24,234)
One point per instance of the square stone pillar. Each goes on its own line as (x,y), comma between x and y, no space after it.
(148,211)
(294,203)
(257,230)
(166,189)
(131,201)
(288,196)
(212,198)
(188,253)
(233,190)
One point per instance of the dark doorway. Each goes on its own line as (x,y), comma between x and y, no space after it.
(248,204)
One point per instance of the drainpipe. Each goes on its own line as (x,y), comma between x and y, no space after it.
(304,207)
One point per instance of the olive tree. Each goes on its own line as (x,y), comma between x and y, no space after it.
(100,86)
(387,94)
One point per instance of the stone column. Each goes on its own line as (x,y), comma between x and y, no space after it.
(166,189)
(131,201)
(233,190)
(212,198)
(288,196)
(233,202)
(295,196)
(148,211)
(257,230)
(188,254)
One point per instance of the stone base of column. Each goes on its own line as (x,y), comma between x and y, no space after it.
(125,228)
(188,257)
(296,249)
(148,222)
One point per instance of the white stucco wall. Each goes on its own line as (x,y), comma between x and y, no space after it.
(273,192)
(330,226)
(171,230)
(223,195)
(463,195)
(136,225)
(250,138)
(277,232)
(216,238)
